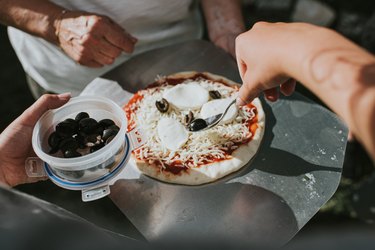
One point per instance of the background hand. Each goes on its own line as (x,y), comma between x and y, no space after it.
(15,140)
(227,43)
(92,40)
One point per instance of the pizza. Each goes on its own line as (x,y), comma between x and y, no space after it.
(174,154)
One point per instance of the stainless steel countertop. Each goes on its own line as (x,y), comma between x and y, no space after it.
(297,169)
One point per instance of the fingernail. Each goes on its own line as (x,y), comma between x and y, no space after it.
(66,95)
(134,40)
(240,102)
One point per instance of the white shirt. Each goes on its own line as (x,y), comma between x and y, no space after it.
(155,23)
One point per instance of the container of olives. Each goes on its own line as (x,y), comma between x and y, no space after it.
(83,143)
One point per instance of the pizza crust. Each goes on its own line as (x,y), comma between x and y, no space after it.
(214,171)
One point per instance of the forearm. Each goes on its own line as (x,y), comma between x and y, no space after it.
(223,16)
(36,17)
(343,76)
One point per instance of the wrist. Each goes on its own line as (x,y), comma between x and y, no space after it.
(53,21)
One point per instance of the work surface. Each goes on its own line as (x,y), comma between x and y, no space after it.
(297,168)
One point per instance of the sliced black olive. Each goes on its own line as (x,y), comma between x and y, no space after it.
(88,125)
(68,144)
(66,128)
(108,133)
(214,94)
(162,105)
(197,124)
(54,140)
(71,154)
(81,115)
(189,118)
(105,123)
(96,147)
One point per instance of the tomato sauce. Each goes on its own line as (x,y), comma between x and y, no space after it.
(130,109)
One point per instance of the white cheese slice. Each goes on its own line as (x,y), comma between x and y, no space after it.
(187,95)
(218,106)
(172,133)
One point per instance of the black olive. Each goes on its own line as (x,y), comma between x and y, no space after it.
(71,154)
(66,128)
(54,140)
(99,130)
(96,147)
(197,124)
(162,105)
(214,94)
(73,123)
(115,127)
(109,139)
(81,115)
(81,139)
(105,123)
(189,118)
(68,144)
(92,139)
(108,133)
(88,125)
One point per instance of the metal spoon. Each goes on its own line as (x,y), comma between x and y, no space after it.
(203,124)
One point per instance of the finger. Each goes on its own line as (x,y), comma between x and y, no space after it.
(242,67)
(90,63)
(76,51)
(42,105)
(240,63)
(272,95)
(288,87)
(118,37)
(249,90)
(102,59)
(108,49)
(98,46)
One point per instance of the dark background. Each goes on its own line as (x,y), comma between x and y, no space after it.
(353,205)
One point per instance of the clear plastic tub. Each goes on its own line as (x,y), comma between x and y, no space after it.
(92,166)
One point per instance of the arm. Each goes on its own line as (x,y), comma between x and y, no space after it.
(224,22)
(89,39)
(15,140)
(37,17)
(336,70)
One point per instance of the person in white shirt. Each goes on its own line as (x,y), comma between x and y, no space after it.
(65,44)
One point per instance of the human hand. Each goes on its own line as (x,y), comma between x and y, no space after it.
(262,55)
(15,140)
(92,40)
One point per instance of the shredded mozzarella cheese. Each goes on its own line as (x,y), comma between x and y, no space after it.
(202,147)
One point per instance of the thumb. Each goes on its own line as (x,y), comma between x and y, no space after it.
(42,105)
(248,91)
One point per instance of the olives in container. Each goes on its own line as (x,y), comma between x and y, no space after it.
(81,135)
(72,144)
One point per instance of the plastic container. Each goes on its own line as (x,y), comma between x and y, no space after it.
(89,171)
